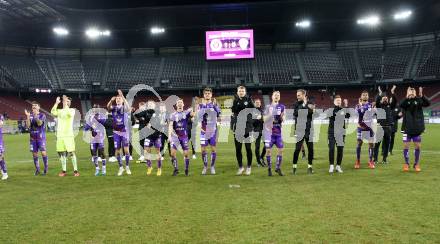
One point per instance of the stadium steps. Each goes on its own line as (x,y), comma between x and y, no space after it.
(300,63)
(412,66)
(44,66)
(85,105)
(54,69)
(205,74)
(105,74)
(158,79)
(8,78)
(358,66)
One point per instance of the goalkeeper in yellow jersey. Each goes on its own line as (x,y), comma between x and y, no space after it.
(65,136)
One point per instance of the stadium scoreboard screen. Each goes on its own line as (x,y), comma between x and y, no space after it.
(229,44)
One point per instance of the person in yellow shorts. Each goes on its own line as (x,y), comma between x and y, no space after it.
(65,136)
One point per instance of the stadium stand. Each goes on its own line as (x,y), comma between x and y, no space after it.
(229,73)
(192,71)
(429,64)
(396,61)
(125,73)
(389,64)
(330,67)
(276,67)
(71,73)
(94,70)
(183,71)
(25,71)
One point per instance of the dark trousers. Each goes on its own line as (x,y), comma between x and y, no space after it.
(259,156)
(393,135)
(191,142)
(239,155)
(111,146)
(192,148)
(142,143)
(331,150)
(309,150)
(385,144)
(164,139)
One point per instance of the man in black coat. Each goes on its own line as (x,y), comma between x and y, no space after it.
(241,102)
(336,133)
(258,127)
(303,128)
(387,104)
(413,124)
(140,116)
(152,136)
(397,114)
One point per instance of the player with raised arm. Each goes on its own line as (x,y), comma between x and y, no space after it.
(387,103)
(153,140)
(397,114)
(119,108)
(178,135)
(364,130)
(163,118)
(3,167)
(338,115)
(208,133)
(36,122)
(413,124)
(142,106)
(273,120)
(65,136)
(95,124)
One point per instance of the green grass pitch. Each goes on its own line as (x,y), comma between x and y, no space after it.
(367,206)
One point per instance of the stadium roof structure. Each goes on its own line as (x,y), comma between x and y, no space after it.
(26,11)
(186,21)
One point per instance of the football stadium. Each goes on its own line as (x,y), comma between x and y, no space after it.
(297,121)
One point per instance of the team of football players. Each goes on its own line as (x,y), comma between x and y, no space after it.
(157,126)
